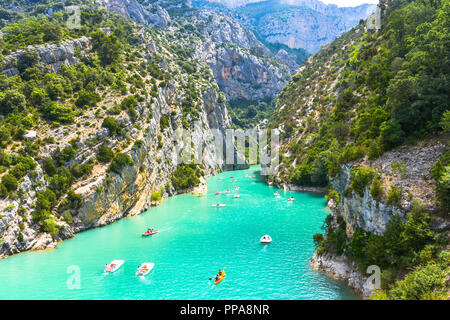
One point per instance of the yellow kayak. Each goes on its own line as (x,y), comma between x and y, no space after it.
(216,281)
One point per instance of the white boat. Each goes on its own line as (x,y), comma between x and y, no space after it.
(145,268)
(114,265)
(219,205)
(236,195)
(266,239)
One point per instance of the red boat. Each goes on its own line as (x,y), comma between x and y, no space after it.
(150,232)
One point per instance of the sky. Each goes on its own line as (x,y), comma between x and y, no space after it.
(349,3)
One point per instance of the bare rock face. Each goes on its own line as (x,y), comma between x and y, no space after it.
(241,75)
(373,215)
(150,14)
(340,268)
(301,24)
(242,66)
(287,59)
(223,29)
(364,212)
(53,55)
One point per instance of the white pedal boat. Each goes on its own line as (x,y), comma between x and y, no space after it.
(114,265)
(219,205)
(145,268)
(266,239)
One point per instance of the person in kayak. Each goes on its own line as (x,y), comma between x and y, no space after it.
(220,273)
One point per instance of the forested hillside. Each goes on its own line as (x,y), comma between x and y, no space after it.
(367,92)
(88,117)
(368,116)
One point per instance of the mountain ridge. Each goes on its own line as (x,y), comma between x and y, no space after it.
(307,24)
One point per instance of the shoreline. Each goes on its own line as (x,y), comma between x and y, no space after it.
(131,212)
(341,269)
(291,187)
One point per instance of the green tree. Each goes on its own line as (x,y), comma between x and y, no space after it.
(417,231)
(104,154)
(111,124)
(394,196)
(12,101)
(119,161)
(108,48)
(10,182)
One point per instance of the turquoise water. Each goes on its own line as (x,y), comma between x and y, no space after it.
(194,241)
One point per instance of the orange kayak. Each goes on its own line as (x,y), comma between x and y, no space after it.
(220,278)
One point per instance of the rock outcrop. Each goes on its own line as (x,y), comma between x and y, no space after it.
(242,66)
(340,268)
(373,215)
(149,14)
(287,59)
(52,55)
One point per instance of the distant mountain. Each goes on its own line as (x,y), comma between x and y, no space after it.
(298,24)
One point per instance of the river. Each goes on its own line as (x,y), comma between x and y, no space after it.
(194,241)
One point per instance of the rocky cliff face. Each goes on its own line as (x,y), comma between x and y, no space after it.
(108,196)
(340,268)
(416,184)
(52,55)
(373,214)
(242,66)
(302,24)
(303,28)
(287,59)
(148,14)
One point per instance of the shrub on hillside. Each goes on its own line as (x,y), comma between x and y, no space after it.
(10,182)
(105,154)
(361,178)
(156,196)
(119,161)
(394,196)
(186,176)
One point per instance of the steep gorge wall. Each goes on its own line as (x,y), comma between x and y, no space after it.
(108,196)
(371,214)
(242,66)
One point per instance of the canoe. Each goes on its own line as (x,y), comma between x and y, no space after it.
(220,278)
(114,265)
(145,268)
